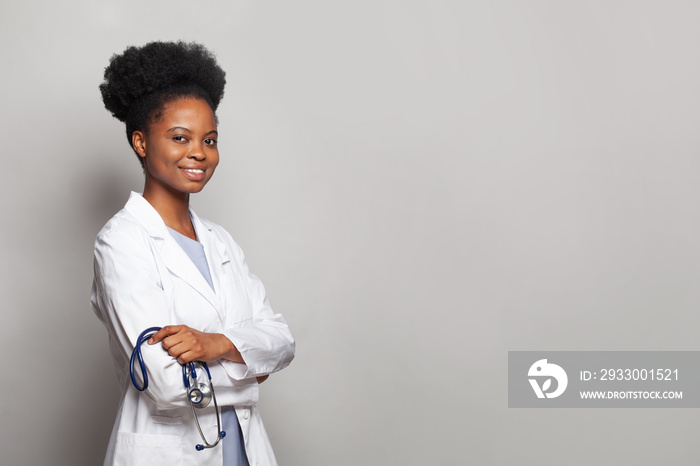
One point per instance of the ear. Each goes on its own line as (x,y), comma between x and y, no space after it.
(138,140)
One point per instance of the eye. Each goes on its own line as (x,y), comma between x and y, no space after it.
(179,138)
(210,142)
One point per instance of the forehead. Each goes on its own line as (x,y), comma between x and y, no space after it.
(187,111)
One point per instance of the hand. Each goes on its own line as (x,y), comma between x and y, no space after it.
(187,344)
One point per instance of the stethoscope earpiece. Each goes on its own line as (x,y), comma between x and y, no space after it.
(200,447)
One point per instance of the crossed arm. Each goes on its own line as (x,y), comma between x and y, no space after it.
(188,344)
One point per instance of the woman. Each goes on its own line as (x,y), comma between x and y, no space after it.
(158,264)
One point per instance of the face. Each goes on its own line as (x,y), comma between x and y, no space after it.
(179,149)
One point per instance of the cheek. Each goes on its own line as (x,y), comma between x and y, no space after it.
(214,160)
(155,163)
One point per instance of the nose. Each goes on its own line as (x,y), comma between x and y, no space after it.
(197,152)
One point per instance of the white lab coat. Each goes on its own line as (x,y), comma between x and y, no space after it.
(144,279)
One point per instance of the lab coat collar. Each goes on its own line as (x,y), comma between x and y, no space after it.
(146,215)
(177,260)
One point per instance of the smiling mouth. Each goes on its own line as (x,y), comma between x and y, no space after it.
(194,174)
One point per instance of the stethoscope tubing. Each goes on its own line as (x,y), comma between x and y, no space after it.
(137,356)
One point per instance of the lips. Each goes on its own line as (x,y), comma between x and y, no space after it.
(194,174)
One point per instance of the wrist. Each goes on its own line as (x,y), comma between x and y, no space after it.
(229,350)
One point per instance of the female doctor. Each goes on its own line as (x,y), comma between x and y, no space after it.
(158,264)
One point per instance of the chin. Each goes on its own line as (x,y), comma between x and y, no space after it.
(195,190)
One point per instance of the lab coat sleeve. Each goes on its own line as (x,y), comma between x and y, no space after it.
(265,341)
(128,296)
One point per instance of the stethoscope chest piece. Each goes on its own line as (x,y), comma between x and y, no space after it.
(200,396)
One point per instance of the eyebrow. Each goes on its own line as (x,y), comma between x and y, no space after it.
(174,128)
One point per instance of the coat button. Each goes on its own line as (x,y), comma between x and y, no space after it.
(246,414)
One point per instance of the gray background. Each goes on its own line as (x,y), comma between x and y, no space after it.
(421,185)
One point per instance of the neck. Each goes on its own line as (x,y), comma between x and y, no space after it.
(172,206)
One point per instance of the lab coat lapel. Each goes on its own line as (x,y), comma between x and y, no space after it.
(214,249)
(179,263)
(174,258)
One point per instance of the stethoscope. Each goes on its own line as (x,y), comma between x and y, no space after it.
(198,394)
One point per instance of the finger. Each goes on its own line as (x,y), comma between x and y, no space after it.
(164,332)
(187,356)
(172,340)
(178,350)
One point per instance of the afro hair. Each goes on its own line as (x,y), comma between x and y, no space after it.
(139,82)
